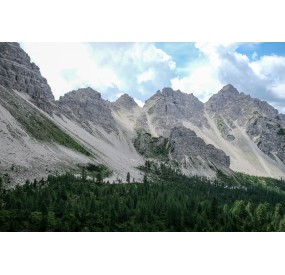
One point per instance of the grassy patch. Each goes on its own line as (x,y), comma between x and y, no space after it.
(37,124)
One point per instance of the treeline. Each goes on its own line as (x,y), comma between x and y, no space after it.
(174,203)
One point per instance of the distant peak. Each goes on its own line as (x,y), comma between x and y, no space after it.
(83,93)
(126,101)
(86,89)
(229,89)
(125,96)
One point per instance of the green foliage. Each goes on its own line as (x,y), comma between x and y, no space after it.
(128,179)
(152,147)
(162,149)
(169,202)
(281,132)
(100,172)
(219,123)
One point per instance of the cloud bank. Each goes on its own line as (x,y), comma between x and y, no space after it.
(135,68)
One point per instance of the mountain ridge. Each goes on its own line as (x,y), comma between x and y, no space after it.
(230,132)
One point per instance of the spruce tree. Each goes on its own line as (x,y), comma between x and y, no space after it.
(128,177)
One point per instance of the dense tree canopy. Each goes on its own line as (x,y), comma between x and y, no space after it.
(172,203)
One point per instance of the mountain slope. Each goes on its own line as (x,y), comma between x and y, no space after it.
(32,145)
(225,121)
(231,131)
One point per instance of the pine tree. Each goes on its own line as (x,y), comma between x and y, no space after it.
(128,177)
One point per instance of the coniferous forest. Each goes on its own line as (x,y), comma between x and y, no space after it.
(168,201)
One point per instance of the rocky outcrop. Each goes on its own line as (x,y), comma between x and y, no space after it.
(19,73)
(125,101)
(168,108)
(183,147)
(153,147)
(86,105)
(188,147)
(269,134)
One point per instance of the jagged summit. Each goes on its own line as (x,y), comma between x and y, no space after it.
(84,105)
(126,101)
(237,105)
(81,94)
(229,88)
(19,73)
(169,92)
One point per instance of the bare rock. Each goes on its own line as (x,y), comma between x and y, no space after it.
(84,105)
(19,73)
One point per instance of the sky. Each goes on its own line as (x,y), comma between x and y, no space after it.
(140,69)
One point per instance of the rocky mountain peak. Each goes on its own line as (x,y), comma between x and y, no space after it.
(86,105)
(169,92)
(169,108)
(19,73)
(229,89)
(81,94)
(230,103)
(126,101)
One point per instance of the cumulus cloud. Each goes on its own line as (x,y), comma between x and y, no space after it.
(139,102)
(135,68)
(202,81)
(261,77)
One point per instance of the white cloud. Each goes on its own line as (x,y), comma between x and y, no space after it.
(69,66)
(262,78)
(202,81)
(139,102)
(134,68)
(279,90)
(145,76)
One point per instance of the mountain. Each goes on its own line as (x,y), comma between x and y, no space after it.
(40,135)
(17,72)
(253,128)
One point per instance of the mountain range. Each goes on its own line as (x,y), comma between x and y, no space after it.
(40,135)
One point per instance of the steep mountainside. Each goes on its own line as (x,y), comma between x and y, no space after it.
(86,106)
(18,73)
(231,131)
(32,145)
(185,150)
(257,118)
(167,108)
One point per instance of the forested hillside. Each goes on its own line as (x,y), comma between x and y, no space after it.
(173,203)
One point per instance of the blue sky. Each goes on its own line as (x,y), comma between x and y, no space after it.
(140,69)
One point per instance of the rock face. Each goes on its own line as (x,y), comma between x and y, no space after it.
(18,73)
(168,107)
(188,147)
(184,147)
(269,134)
(235,106)
(125,101)
(86,105)
(261,121)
